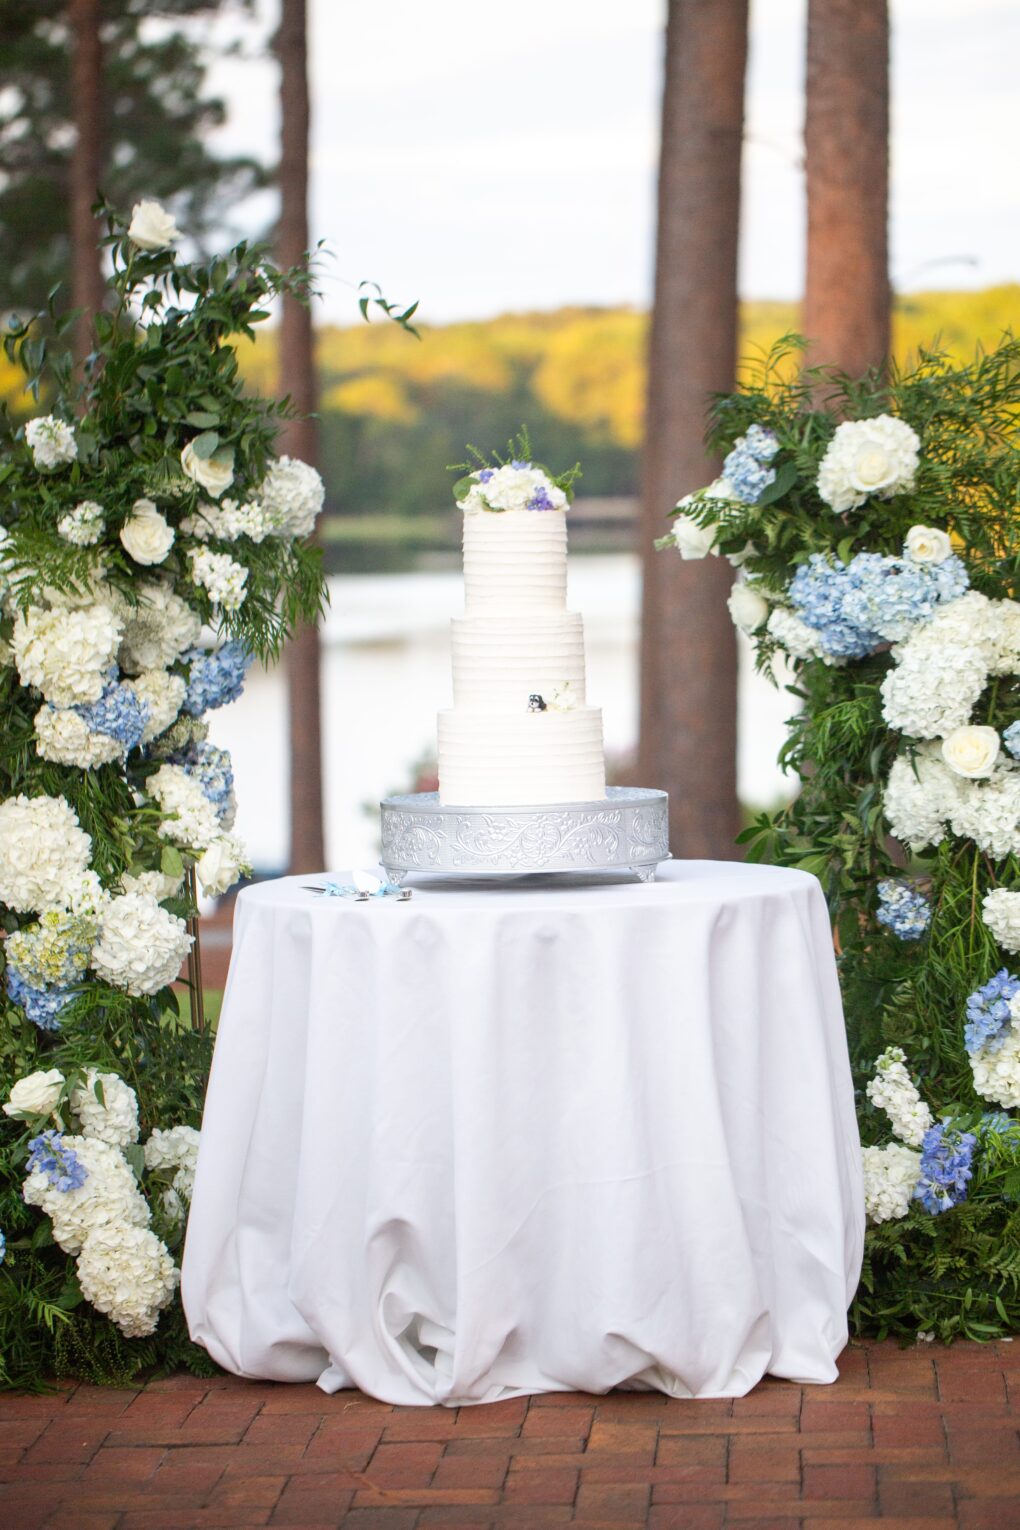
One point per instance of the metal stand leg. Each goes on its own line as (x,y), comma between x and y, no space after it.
(644,873)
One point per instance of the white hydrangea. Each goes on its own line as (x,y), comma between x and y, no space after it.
(935,683)
(172,1147)
(141,945)
(893,1091)
(1000,910)
(155,884)
(84,895)
(920,796)
(997,1072)
(43,853)
(51,442)
(220,576)
(890,1177)
(82,526)
(195,825)
(66,739)
(229,520)
(292,494)
(112,1119)
(792,634)
(1004,640)
(158,630)
(164,695)
(127,1273)
(66,654)
(988,812)
(868,457)
(221,864)
(109,1197)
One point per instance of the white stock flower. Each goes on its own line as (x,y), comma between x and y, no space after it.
(82,526)
(127,1274)
(920,795)
(158,630)
(228,521)
(196,824)
(214,474)
(692,540)
(66,654)
(748,608)
(163,693)
(43,851)
(971,751)
(868,457)
(218,574)
(155,884)
(890,1176)
(146,536)
(112,1119)
(66,739)
(51,442)
(292,494)
(109,1197)
(152,227)
(220,866)
(893,1091)
(997,1071)
(1000,910)
(141,945)
(927,544)
(35,1095)
(793,634)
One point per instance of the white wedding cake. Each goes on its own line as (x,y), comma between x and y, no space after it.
(520,730)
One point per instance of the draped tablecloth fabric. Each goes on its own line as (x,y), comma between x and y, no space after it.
(531,1136)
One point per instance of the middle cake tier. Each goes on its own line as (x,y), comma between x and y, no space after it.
(499,661)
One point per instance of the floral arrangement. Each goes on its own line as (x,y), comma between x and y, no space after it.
(512,483)
(151,545)
(876,536)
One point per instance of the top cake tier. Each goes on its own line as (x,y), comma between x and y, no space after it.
(514,561)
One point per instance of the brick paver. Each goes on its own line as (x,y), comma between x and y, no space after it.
(917,1439)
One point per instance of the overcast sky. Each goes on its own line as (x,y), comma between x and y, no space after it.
(486,157)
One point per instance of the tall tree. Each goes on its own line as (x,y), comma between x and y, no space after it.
(688,738)
(847,300)
(299,437)
(87,285)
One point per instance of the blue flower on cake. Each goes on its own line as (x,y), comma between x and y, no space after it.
(66,653)
(988,1012)
(865,457)
(82,526)
(43,853)
(516,485)
(893,1091)
(215,678)
(946,1156)
(141,945)
(292,494)
(902,909)
(51,442)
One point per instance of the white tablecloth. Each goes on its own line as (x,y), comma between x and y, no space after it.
(530,1137)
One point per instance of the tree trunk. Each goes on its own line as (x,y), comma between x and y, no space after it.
(87,285)
(688,647)
(298,437)
(847,301)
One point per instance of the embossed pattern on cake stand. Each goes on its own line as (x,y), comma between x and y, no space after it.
(627,830)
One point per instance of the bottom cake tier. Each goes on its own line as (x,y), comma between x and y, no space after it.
(516,758)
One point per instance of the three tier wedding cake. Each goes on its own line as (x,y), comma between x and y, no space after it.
(520,731)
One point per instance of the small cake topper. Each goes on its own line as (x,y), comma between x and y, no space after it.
(363,887)
(535,703)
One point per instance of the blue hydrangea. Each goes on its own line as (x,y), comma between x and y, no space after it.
(760,442)
(745,467)
(119,713)
(855,607)
(818,592)
(988,1014)
(902,909)
(946,1155)
(52,1157)
(1011,739)
(215,678)
(41,1005)
(212,769)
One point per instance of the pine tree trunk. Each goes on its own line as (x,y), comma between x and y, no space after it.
(688,648)
(847,301)
(298,437)
(87,286)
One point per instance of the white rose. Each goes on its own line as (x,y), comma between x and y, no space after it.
(152,227)
(146,537)
(214,474)
(877,456)
(220,866)
(748,608)
(971,751)
(692,540)
(36,1095)
(927,544)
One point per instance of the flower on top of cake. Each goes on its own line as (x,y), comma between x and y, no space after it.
(516,484)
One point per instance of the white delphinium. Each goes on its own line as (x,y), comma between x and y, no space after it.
(996,1070)
(748,608)
(220,576)
(221,864)
(66,739)
(67,653)
(868,457)
(155,884)
(109,1196)
(893,1091)
(292,495)
(114,1117)
(146,536)
(1000,910)
(43,852)
(82,526)
(141,945)
(163,693)
(920,796)
(792,634)
(126,1272)
(158,630)
(890,1177)
(988,812)
(51,442)
(37,1094)
(196,824)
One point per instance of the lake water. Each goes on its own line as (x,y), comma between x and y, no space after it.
(386,672)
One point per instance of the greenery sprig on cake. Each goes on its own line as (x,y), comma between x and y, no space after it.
(512,481)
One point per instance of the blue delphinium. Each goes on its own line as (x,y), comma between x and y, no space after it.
(745,467)
(818,591)
(1011,739)
(215,678)
(903,909)
(52,1157)
(540,499)
(211,768)
(988,1013)
(118,712)
(41,1005)
(946,1155)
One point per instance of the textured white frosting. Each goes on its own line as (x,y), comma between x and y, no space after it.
(508,759)
(514,561)
(499,661)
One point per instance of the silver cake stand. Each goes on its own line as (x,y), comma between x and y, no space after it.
(627,830)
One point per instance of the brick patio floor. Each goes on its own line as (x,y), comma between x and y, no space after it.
(919,1439)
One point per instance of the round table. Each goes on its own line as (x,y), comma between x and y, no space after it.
(539,1135)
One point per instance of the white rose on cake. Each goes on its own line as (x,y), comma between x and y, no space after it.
(146,536)
(868,457)
(748,608)
(971,751)
(152,228)
(43,852)
(35,1095)
(214,474)
(141,945)
(926,544)
(51,442)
